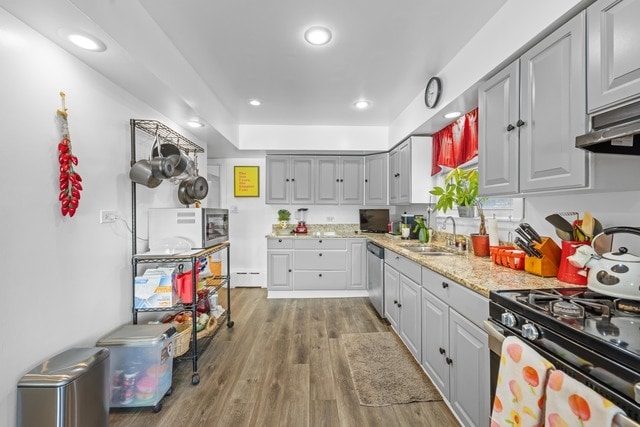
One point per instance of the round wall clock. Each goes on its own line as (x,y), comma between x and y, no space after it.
(432,92)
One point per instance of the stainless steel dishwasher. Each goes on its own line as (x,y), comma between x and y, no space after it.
(375,276)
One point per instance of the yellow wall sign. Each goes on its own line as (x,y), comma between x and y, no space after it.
(246,181)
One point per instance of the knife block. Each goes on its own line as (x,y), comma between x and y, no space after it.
(548,265)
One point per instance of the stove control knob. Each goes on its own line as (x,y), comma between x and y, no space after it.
(508,320)
(530,332)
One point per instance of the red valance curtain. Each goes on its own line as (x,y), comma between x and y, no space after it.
(455,144)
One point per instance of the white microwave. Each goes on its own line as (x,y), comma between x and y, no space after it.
(201,227)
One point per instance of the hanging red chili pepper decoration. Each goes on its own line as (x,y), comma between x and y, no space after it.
(70,180)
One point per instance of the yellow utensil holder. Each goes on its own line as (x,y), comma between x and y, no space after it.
(548,265)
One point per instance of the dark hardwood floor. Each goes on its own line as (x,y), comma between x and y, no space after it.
(282,364)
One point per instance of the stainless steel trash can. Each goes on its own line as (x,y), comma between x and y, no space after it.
(69,390)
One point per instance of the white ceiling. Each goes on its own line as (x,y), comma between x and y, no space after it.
(207,58)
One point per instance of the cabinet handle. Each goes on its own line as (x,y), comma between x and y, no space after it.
(397,258)
(289,270)
(510,127)
(449,361)
(320,275)
(519,123)
(320,254)
(395,302)
(287,179)
(441,350)
(445,285)
(319,241)
(279,240)
(341,180)
(293,179)
(399,305)
(366,180)
(337,180)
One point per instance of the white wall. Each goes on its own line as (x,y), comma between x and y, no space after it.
(66,281)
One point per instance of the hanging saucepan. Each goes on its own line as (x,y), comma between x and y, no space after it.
(162,167)
(183,197)
(168,150)
(142,172)
(197,187)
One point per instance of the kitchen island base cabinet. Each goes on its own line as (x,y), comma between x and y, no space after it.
(455,353)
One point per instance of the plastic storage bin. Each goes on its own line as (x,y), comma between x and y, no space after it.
(141,364)
(69,390)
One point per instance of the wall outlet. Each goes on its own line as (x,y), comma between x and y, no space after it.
(108,216)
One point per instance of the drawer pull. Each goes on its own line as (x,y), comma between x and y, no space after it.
(320,254)
(441,350)
(320,241)
(279,240)
(289,270)
(395,301)
(449,361)
(445,285)
(320,275)
(399,305)
(397,258)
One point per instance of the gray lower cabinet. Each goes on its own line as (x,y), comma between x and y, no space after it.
(455,350)
(376,181)
(308,264)
(402,299)
(613,66)
(280,264)
(529,115)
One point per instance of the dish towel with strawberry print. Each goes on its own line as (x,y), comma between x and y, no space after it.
(570,403)
(522,376)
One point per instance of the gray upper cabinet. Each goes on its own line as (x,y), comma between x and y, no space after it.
(530,114)
(613,70)
(410,171)
(278,185)
(498,149)
(340,180)
(376,179)
(552,107)
(289,180)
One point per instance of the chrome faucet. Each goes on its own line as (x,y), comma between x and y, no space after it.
(444,225)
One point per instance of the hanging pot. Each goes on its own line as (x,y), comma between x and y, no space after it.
(162,167)
(183,197)
(142,172)
(197,187)
(167,150)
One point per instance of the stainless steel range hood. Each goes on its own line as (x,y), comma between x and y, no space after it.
(614,132)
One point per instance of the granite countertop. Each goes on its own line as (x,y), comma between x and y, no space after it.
(478,274)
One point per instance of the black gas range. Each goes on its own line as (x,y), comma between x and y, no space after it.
(592,337)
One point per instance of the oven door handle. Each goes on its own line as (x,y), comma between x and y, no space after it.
(496,336)
(621,420)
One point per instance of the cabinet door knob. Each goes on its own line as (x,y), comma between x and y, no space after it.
(510,127)
(289,270)
(337,180)
(320,254)
(293,179)
(287,179)
(341,180)
(441,350)
(279,240)
(445,285)
(399,305)
(397,258)
(320,275)
(319,241)
(366,180)
(519,123)
(395,301)
(449,361)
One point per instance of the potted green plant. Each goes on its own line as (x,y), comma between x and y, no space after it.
(422,229)
(460,188)
(283,217)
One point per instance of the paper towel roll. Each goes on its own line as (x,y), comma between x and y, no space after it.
(492,229)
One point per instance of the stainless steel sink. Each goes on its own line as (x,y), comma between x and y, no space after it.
(426,250)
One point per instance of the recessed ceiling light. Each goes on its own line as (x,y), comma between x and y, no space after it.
(452,115)
(255,102)
(195,124)
(317,35)
(361,104)
(83,40)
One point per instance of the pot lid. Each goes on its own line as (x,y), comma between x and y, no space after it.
(621,254)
